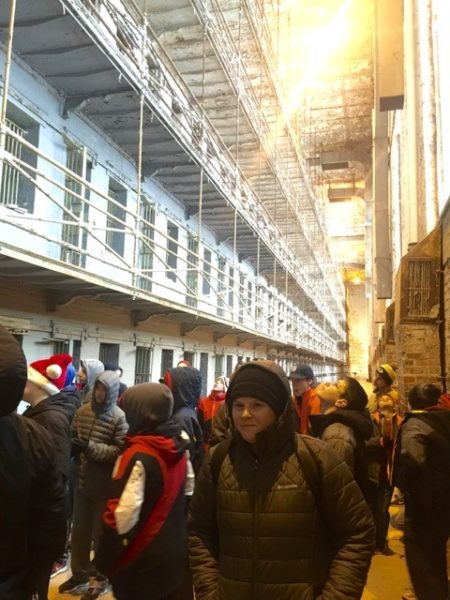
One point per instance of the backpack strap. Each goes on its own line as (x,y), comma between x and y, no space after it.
(310,468)
(218,456)
(307,460)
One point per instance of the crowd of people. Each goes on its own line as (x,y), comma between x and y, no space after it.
(270,487)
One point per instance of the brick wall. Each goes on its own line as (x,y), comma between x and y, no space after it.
(446,285)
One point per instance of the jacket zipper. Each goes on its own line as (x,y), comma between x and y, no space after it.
(255,529)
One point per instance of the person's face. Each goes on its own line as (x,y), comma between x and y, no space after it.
(100,392)
(342,389)
(82,375)
(379,382)
(300,385)
(251,416)
(28,392)
(386,407)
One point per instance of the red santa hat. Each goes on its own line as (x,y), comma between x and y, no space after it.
(50,373)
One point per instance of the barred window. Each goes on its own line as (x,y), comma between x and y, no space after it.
(142,368)
(16,189)
(420,285)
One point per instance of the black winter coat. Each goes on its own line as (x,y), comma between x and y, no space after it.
(422,460)
(185,384)
(32,522)
(260,535)
(147,488)
(345,431)
(55,414)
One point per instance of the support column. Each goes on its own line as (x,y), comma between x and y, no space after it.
(383,258)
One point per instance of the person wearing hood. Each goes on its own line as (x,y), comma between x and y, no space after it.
(422,472)
(185,383)
(345,423)
(143,546)
(89,370)
(33,526)
(99,428)
(259,528)
(50,408)
(209,406)
(119,371)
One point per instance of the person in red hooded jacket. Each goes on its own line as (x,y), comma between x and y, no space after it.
(208,408)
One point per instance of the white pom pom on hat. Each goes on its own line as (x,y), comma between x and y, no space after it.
(53,371)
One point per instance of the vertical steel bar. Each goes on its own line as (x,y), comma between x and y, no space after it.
(84,159)
(5,87)
(200,209)
(137,214)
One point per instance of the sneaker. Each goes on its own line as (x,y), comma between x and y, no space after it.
(385,550)
(408,594)
(58,567)
(75,585)
(97,587)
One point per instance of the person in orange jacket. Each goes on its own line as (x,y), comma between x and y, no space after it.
(208,408)
(305,399)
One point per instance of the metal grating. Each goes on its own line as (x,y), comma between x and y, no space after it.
(71,234)
(420,288)
(9,187)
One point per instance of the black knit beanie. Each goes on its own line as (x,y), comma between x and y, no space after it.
(424,395)
(355,394)
(262,379)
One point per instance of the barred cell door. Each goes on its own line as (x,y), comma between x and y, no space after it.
(204,358)
(109,353)
(192,271)
(71,231)
(142,369)
(166,360)
(146,248)
(9,185)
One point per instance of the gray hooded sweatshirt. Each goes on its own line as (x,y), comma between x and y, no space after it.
(92,367)
(103,427)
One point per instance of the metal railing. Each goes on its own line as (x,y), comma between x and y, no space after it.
(262,312)
(162,85)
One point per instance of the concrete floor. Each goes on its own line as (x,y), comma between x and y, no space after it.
(387,577)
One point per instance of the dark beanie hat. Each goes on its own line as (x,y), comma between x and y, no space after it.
(262,379)
(355,394)
(424,395)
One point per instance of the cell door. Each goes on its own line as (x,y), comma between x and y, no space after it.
(166,360)
(204,371)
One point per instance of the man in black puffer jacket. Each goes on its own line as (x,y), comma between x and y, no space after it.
(32,523)
(259,528)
